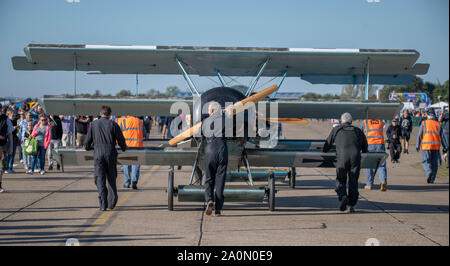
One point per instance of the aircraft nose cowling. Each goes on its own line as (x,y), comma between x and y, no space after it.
(222,95)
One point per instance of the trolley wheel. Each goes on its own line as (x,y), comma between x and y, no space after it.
(292,175)
(170,191)
(271,197)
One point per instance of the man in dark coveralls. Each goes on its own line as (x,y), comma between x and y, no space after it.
(216,158)
(350,141)
(104,134)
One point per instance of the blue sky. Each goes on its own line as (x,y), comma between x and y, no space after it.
(392,24)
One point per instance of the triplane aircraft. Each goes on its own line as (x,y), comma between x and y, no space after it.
(317,66)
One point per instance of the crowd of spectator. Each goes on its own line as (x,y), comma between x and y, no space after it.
(52,132)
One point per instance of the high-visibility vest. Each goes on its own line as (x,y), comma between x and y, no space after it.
(431,139)
(133,130)
(373,129)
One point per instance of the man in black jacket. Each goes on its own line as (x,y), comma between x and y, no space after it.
(104,133)
(350,141)
(55,142)
(395,148)
(406,128)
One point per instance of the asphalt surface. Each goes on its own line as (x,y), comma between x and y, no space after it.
(52,208)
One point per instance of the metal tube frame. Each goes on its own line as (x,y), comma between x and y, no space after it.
(195,164)
(255,81)
(249,173)
(186,77)
(137,82)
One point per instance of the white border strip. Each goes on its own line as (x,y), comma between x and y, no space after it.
(327,50)
(125,47)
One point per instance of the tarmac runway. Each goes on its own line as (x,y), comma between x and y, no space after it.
(52,208)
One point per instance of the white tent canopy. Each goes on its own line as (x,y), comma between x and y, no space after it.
(439,105)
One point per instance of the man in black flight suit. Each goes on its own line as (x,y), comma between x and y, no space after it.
(216,158)
(350,141)
(104,133)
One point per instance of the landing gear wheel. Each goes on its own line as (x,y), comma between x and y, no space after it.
(170,191)
(271,197)
(292,175)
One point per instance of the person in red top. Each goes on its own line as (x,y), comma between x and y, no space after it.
(42,132)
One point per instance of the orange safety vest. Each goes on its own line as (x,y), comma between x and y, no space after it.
(374,131)
(133,130)
(431,139)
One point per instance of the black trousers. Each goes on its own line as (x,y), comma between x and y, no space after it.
(395,149)
(347,170)
(216,161)
(105,164)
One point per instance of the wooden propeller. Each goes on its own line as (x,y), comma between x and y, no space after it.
(236,107)
(293,121)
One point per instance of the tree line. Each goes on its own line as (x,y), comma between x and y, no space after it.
(435,91)
(171,91)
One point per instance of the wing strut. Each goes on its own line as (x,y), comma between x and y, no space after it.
(253,84)
(74,94)
(366,95)
(188,80)
(220,78)
(137,84)
(279,84)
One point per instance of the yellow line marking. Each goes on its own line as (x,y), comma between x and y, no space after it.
(104,217)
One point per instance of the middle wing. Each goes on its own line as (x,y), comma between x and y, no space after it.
(328,110)
(85,106)
(161,107)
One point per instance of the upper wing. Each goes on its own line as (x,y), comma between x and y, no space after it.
(325,66)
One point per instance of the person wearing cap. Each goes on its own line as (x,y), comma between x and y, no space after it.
(406,126)
(350,142)
(393,133)
(429,140)
(373,129)
(424,116)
